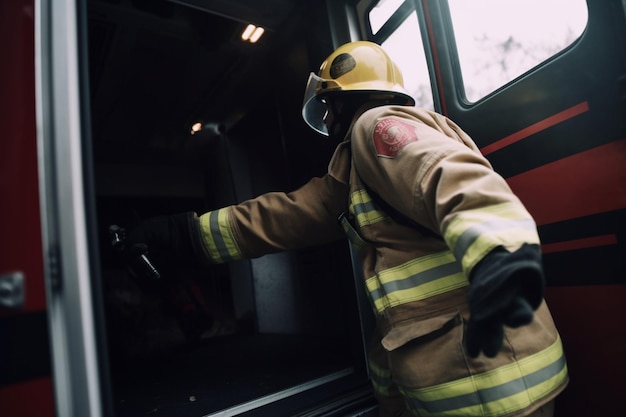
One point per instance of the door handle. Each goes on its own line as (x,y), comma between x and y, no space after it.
(12,290)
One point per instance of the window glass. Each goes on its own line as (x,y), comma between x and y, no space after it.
(499,40)
(381,12)
(405,48)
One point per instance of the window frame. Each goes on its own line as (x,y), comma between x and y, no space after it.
(364,7)
(397,18)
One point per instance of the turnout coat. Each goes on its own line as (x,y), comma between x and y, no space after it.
(422,207)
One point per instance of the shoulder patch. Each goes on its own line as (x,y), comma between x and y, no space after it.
(392,135)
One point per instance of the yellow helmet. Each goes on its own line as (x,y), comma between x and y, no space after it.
(360,67)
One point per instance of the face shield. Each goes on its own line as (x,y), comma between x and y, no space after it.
(313,108)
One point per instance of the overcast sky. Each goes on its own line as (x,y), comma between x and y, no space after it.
(537,28)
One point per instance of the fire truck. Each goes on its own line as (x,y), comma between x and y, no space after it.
(114,111)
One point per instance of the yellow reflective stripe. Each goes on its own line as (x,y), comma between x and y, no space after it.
(218,238)
(380,378)
(415,280)
(498,392)
(474,233)
(363,209)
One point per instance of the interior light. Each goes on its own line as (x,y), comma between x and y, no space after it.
(252,33)
(207,128)
(196,127)
(258,32)
(248,32)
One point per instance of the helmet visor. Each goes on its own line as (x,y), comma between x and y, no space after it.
(313,108)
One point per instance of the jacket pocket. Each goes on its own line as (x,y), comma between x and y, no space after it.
(427,352)
(428,329)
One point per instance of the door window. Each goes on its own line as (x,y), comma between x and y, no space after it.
(413,64)
(381,12)
(402,40)
(499,40)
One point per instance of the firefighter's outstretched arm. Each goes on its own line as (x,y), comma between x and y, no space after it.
(269,223)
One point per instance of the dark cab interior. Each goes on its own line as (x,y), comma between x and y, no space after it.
(278,335)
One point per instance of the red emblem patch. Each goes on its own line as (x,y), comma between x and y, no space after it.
(392,135)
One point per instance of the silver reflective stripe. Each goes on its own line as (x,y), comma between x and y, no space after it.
(381,379)
(501,391)
(493,394)
(364,210)
(416,280)
(469,236)
(216,235)
(363,207)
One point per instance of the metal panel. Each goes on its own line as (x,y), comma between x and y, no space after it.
(65,243)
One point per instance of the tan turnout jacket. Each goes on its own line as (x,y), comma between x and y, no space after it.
(422,206)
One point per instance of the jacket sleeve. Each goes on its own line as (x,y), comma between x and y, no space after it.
(275,222)
(437,177)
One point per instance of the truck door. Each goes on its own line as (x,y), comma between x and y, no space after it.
(557,134)
(540,86)
(24,342)
(51,361)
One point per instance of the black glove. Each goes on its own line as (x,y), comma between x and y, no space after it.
(167,239)
(134,255)
(505,289)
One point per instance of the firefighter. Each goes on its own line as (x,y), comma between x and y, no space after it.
(450,257)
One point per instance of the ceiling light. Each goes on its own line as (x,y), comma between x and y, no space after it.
(258,32)
(248,32)
(196,127)
(252,33)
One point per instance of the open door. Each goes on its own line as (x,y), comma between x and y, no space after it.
(557,134)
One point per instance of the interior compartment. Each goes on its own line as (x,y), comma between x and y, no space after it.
(240,336)
(169,355)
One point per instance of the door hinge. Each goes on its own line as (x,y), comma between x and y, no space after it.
(54,267)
